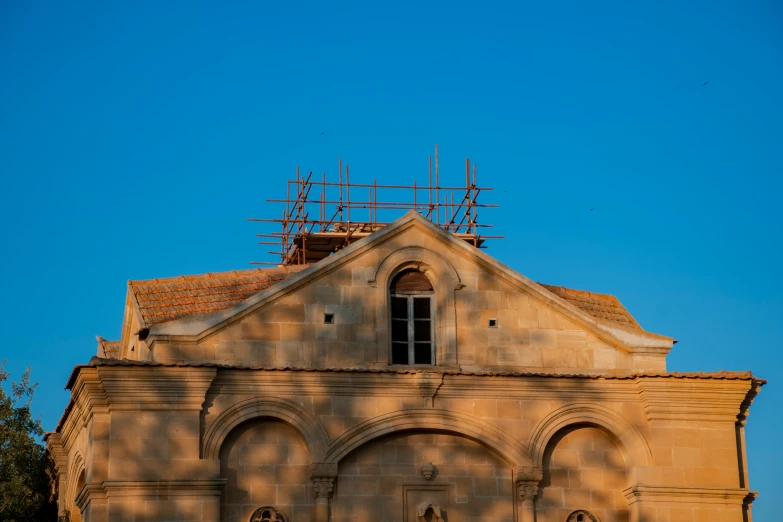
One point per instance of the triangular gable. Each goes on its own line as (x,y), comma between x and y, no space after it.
(191,329)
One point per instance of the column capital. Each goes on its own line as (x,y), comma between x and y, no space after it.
(322,475)
(323,487)
(527,479)
(527,490)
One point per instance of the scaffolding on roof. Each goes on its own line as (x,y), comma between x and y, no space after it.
(304,239)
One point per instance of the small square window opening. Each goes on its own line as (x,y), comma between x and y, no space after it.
(493,323)
(328,318)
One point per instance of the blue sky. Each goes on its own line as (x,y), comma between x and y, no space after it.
(136,138)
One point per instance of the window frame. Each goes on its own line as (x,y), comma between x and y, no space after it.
(410,322)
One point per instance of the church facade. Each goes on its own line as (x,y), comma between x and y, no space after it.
(408,377)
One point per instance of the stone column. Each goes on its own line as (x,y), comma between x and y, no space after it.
(526,494)
(322,475)
(527,479)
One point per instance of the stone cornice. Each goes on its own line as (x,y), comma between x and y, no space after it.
(693,399)
(163,488)
(745,406)
(150,489)
(712,496)
(87,398)
(239,382)
(162,389)
(90,492)
(54,445)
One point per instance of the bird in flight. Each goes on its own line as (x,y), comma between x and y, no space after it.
(705,83)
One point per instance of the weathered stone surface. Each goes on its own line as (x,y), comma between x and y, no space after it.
(532,410)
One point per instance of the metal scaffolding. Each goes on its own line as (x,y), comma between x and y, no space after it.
(304,239)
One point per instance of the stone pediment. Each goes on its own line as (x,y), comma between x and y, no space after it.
(487,314)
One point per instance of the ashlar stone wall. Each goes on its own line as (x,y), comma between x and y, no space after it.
(288,330)
(265,463)
(383,480)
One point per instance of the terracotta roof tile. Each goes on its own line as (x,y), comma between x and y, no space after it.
(162,300)
(604,307)
(109,349)
(167,299)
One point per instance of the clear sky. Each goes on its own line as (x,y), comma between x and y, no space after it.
(135,139)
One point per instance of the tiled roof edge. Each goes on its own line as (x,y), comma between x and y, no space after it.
(721,375)
(214,275)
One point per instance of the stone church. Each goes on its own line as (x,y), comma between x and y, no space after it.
(408,377)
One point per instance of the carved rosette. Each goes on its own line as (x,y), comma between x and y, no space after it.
(322,475)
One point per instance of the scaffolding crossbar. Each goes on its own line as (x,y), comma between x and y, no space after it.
(305,239)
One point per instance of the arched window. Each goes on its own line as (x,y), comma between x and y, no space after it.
(581,516)
(411,319)
(267,514)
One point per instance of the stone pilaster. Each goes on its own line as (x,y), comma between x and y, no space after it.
(322,475)
(59,456)
(527,479)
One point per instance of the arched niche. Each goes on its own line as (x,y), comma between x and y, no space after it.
(581,458)
(269,407)
(445,281)
(76,481)
(633,444)
(76,512)
(264,463)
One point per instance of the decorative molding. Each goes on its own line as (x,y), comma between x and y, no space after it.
(76,468)
(155,389)
(680,495)
(418,258)
(287,411)
(745,406)
(54,445)
(527,480)
(527,490)
(691,399)
(149,489)
(479,430)
(241,381)
(89,493)
(322,475)
(164,488)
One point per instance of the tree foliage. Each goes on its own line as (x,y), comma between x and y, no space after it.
(26,492)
